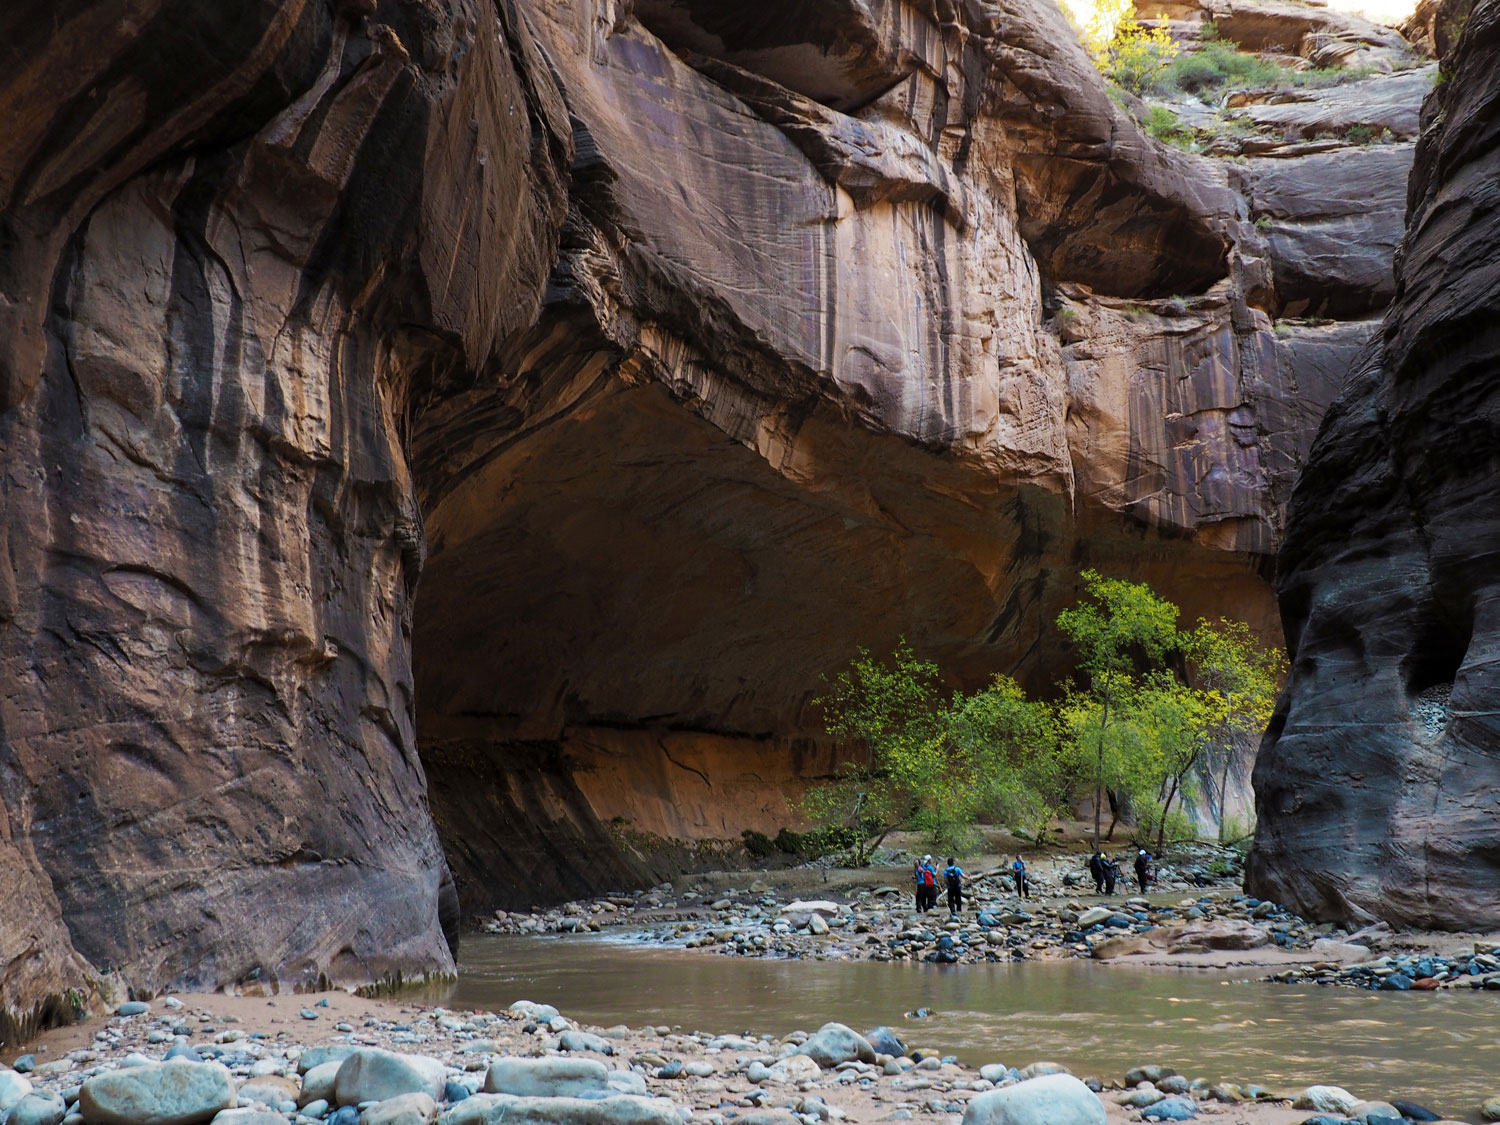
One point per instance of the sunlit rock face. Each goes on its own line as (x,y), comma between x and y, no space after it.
(865,324)
(1376,785)
(678,352)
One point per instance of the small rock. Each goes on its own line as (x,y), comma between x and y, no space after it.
(24,1065)
(308,1014)
(1151,1072)
(1171,1109)
(583,1041)
(133,1008)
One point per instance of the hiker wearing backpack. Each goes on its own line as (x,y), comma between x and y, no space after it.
(953,875)
(1023,884)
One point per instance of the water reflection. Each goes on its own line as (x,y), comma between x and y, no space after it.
(1435,1048)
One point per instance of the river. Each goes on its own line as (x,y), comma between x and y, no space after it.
(1439,1049)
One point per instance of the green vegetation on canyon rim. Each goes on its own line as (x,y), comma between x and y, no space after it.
(1146,705)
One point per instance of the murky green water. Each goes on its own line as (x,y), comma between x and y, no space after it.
(1440,1049)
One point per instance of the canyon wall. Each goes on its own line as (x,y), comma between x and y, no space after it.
(1376,785)
(678,349)
(238,242)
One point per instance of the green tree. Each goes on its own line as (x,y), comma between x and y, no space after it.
(1224,657)
(892,710)
(932,763)
(1014,745)
(1119,627)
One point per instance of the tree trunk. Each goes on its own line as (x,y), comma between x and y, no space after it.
(1114,814)
(1099,773)
(1161,829)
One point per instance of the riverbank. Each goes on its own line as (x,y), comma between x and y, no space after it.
(1188,919)
(674,1074)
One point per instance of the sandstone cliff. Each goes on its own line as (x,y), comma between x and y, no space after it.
(1377,781)
(680,349)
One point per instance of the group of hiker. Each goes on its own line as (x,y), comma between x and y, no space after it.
(1104,870)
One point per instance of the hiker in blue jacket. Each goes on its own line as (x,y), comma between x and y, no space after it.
(953,875)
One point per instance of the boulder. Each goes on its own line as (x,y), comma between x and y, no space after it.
(37,1108)
(315,1057)
(13,1088)
(270,1090)
(404,1109)
(373,1075)
(529,1010)
(1325,1099)
(1093,916)
(503,1109)
(1042,1069)
(834,1043)
(1326,949)
(1175,1108)
(169,1093)
(1053,1099)
(547,1077)
(574,1040)
(321,1083)
(792,1070)
(1150,1072)
(885,1041)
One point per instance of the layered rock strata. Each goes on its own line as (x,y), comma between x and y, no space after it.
(238,243)
(685,350)
(1377,781)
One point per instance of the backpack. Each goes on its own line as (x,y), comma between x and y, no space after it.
(952,874)
(929,877)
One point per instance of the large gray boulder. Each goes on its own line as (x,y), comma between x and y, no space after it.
(37,1108)
(404,1109)
(547,1078)
(1054,1099)
(503,1109)
(373,1075)
(835,1043)
(169,1093)
(13,1088)
(314,1057)
(245,1115)
(320,1083)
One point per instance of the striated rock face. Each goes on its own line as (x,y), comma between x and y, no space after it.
(237,246)
(679,350)
(1377,780)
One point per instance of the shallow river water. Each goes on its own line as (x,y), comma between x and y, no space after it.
(1440,1049)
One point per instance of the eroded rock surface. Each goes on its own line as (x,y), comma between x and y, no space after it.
(238,244)
(1377,779)
(679,352)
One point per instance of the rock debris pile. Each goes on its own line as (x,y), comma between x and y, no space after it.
(533,1066)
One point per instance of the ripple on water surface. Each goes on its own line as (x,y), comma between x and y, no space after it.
(1434,1048)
